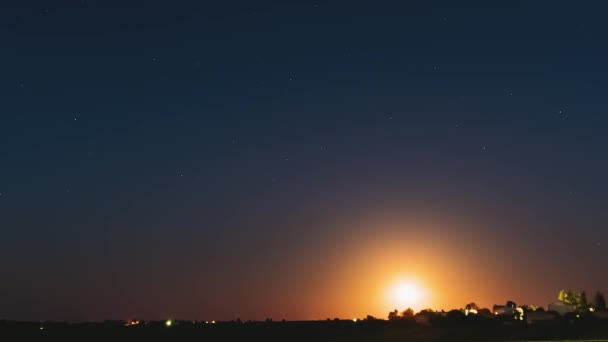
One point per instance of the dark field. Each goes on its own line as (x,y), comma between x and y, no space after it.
(469,330)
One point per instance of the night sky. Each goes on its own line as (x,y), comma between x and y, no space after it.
(291,159)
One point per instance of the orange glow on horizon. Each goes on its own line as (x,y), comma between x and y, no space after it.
(406,293)
(381,266)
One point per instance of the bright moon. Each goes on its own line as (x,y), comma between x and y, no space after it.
(405,294)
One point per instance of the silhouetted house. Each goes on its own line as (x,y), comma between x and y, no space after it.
(540,317)
(561,307)
(510,309)
(503,310)
(486,313)
(424,320)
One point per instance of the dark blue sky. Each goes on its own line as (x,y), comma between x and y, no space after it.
(221,152)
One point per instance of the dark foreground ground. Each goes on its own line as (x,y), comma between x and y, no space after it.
(465,330)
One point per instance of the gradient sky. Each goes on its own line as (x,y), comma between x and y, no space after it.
(293,159)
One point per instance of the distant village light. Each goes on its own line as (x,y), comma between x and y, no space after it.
(168,323)
(132,323)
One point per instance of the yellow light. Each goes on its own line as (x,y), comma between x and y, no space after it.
(212,322)
(168,323)
(354,320)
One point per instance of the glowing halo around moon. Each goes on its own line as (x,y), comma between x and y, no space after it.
(406,293)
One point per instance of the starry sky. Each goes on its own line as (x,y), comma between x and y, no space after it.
(290,159)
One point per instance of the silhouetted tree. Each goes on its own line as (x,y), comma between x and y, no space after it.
(485,312)
(426,312)
(566,296)
(408,313)
(578,299)
(583,305)
(393,315)
(511,304)
(455,315)
(599,302)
